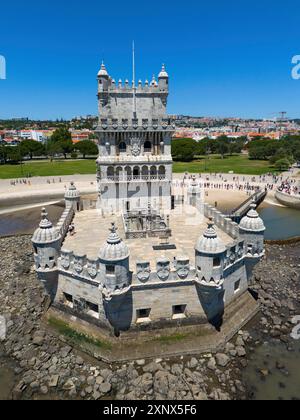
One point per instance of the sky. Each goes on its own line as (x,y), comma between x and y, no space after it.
(225,58)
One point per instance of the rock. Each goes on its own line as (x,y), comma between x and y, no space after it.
(222,359)
(79,361)
(99,380)
(44,390)
(96,395)
(53,382)
(193,363)
(38,340)
(241,352)
(105,388)
(69,385)
(212,364)
(141,362)
(152,367)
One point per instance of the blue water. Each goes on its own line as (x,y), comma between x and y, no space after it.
(281,222)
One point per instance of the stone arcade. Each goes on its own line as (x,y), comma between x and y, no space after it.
(114,273)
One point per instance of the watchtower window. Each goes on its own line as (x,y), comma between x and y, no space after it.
(179,311)
(110,269)
(68,300)
(143,315)
(217,262)
(92,309)
(122,147)
(237,286)
(148,146)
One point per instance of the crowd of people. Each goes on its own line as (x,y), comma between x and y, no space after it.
(290,187)
(232,183)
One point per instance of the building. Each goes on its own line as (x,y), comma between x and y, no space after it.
(134,131)
(139,261)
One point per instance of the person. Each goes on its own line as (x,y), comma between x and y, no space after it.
(72,229)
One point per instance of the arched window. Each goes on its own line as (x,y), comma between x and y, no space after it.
(153,171)
(122,147)
(110,172)
(136,171)
(145,172)
(162,171)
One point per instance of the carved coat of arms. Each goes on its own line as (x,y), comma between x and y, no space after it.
(163,270)
(65,260)
(143,271)
(182,268)
(92,268)
(136,146)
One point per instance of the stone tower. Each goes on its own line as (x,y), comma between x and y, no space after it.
(252,231)
(134,135)
(46,242)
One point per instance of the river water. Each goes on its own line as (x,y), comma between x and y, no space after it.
(281,222)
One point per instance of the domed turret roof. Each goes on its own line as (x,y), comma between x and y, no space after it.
(114,249)
(46,232)
(163,74)
(210,243)
(103,71)
(72,192)
(252,222)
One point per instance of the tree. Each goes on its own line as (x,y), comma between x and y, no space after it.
(66,147)
(282,165)
(222,144)
(60,142)
(31,148)
(184,150)
(60,135)
(87,147)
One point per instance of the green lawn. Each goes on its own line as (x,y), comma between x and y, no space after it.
(238,164)
(47,168)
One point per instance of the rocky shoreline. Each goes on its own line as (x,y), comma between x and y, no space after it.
(45,368)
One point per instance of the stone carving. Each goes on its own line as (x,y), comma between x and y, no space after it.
(143,271)
(79,264)
(163,269)
(136,146)
(125,124)
(182,267)
(92,268)
(65,259)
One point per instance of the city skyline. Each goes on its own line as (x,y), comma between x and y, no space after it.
(226,61)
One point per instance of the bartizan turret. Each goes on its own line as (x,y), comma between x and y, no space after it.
(46,242)
(72,197)
(210,257)
(252,232)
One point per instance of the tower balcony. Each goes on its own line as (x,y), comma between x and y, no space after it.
(155,124)
(134,178)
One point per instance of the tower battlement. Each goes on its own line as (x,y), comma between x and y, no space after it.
(126,100)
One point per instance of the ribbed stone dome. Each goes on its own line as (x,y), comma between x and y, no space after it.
(103,71)
(46,232)
(72,192)
(252,222)
(209,243)
(114,249)
(163,74)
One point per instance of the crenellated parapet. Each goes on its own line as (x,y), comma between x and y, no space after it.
(221,221)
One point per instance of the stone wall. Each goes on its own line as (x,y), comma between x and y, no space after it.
(220,220)
(65,221)
(288,200)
